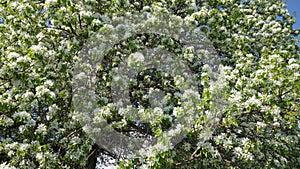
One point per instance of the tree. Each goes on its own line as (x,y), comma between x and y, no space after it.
(254,39)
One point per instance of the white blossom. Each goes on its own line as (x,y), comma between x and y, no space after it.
(6,166)
(41,129)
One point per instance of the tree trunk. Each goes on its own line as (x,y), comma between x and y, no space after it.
(92,159)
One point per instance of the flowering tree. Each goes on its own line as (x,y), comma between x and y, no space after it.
(42,42)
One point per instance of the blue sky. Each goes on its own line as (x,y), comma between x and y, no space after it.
(294,6)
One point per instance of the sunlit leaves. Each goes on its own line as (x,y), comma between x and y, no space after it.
(254,39)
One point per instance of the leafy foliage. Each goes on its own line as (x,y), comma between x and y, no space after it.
(40,41)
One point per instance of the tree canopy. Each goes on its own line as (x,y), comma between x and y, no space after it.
(256,124)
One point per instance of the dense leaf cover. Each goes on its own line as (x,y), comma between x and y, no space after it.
(258,127)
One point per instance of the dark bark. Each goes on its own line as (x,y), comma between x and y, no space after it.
(92,158)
